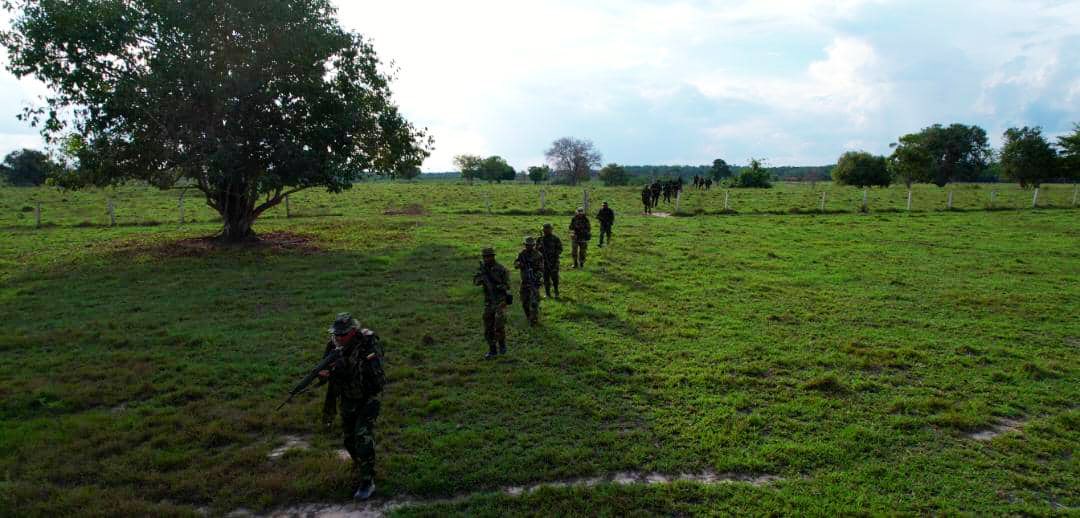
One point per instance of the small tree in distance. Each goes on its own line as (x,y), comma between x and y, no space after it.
(720,170)
(861,169)
(573,158)
(753,177)
(614,174)
(1070,153)
(469,165)
(539,174)
(27,167)
(1027,158)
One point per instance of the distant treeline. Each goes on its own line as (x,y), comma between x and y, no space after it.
(791,173)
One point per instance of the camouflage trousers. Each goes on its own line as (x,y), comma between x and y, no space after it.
(578,250)
(605,231)
(494,324)
(551,276)
(530,302)
(358,421)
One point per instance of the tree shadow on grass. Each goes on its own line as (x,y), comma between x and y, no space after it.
(130,378)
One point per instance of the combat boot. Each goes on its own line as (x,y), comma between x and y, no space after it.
(502,348)
(492,352)
(365,491)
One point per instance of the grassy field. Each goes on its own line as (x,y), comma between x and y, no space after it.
(852,356)
(140,206)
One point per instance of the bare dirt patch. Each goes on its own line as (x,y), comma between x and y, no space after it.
(270,242)
(292,442)
(1003,426)
(414,209)
(382,507)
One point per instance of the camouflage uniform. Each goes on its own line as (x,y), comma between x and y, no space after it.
(530,286)
(358,382)
(581,230)
(646,199)
(606,216)
(551,248)
(495,298)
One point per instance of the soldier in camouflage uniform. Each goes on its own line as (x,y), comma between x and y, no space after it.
(607,220)
(357,379)
(581,233)
(550,246)
(531,264)
(496,282)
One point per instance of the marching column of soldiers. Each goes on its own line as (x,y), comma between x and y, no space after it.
(651,193)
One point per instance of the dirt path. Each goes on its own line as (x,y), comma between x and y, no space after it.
(378,508)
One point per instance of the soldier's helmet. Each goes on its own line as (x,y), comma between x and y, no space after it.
(343,324)
(488,252)
(605,204)
(548,226)
(581,210)
(530,241)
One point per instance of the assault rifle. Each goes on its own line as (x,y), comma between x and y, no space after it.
(333,357)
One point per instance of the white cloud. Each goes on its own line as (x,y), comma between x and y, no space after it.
(657,81)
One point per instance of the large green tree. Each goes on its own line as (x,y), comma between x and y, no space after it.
(539,173)
(941,154)
(861,169)
(1070,153)
(1027,157)
(27,167)
(249,100)
(495,169)
(720,170)
(910,161)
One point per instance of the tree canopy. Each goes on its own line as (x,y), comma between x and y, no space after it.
(753,176)
(861,169)
(940,154)
(27,167)
(720,170)
(614,174)
(1070,153)
(1027,158)
(573,158)
(539,174)
(250,100)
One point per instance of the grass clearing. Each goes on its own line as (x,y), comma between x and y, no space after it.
(851,355)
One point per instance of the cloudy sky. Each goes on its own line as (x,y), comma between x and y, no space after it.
(796,82)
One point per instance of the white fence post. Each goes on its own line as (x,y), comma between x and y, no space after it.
(678,199)
(865,194)
(543,199)
(1035,198)
(487,201)
(948,204)
(112,214)
(726,205)
(585,200)
(909,200)
(992,194)
(823,201)
(37,215)
(288,212)
(182,193)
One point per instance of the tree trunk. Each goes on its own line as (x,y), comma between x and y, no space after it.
(238,216)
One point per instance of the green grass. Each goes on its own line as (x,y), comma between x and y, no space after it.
(137,206)
(850,354)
